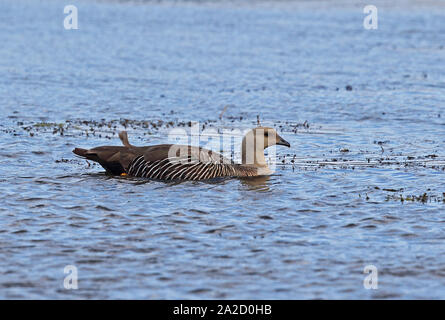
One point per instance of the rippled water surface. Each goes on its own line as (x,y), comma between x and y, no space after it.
(363,183)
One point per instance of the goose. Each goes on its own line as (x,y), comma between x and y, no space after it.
(182,162)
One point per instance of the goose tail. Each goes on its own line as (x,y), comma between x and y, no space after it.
(124,138)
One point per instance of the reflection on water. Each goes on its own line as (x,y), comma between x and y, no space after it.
(256,183)
(362,185)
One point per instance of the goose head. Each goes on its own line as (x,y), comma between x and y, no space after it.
(269,136)
(256,141)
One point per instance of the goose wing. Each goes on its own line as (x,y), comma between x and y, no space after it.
(180,152)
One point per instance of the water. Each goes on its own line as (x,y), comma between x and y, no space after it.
(363,183)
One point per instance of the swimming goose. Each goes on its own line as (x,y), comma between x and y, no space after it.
(182,162)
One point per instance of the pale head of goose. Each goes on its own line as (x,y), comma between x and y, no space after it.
(256,141)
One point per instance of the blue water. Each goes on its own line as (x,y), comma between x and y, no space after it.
(334,204)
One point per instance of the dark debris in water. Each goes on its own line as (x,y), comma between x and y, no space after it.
(110,128)
(386,194)
(102,128)
(423,198)
(397,162)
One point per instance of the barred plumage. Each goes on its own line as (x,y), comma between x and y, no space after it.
(175,169)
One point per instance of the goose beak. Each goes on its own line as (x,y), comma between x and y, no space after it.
(282,142)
